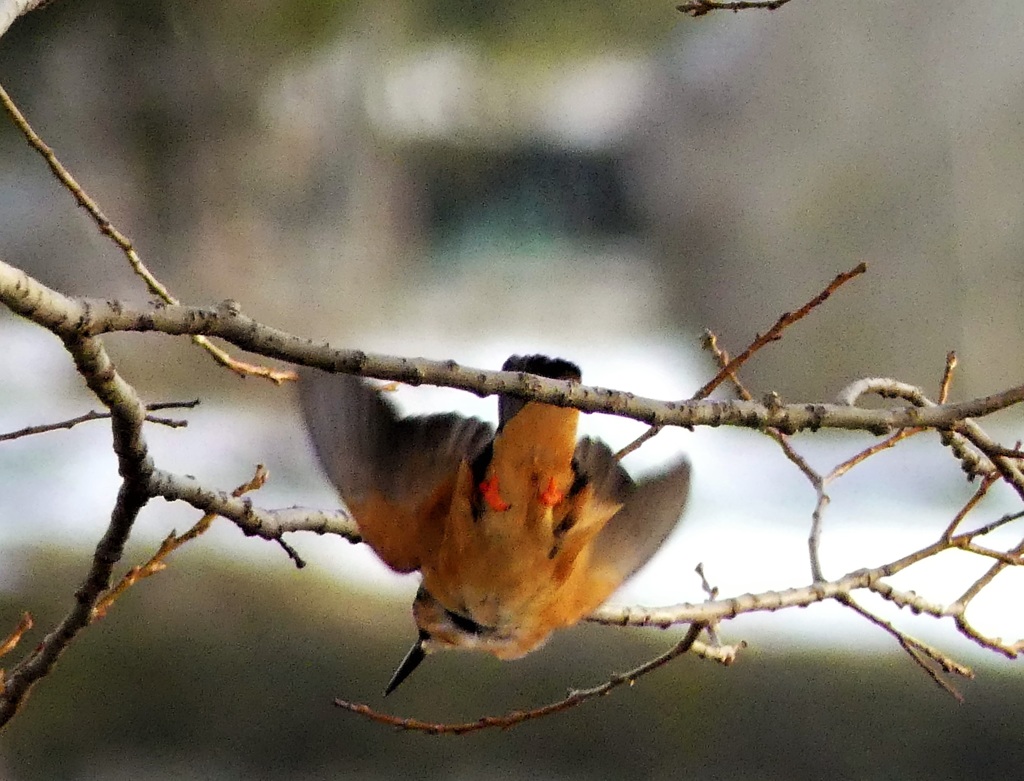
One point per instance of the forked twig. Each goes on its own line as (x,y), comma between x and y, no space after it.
(722,358)
(773,334)
(170,544)
(897,390)
(930,659)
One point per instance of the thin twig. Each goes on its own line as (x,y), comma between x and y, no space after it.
(947,377)
(971,503)
(95,415)
(107,228)
(841,469)
(996,524)
(920,652)
(814,535)
(171,543)
(575,698)
(965,599)
(12,640)
(722,357)
(775,332)
(729,370)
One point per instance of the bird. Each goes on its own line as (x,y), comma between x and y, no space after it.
(516,532)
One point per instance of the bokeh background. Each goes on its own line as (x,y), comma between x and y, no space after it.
(462,180)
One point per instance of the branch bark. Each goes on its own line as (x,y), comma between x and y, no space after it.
(83,317)
(135,467)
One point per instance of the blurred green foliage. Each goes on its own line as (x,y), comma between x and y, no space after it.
(538,27)
(258,29)
(544,29)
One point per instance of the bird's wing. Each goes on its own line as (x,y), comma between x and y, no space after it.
(395,474)
(650,510)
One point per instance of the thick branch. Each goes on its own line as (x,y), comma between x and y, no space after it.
(87,317)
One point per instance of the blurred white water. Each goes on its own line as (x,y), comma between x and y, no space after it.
(747,521)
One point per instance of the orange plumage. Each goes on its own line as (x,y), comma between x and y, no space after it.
(516,534)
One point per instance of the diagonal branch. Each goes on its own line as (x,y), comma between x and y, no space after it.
(107,228)
(173,541)
(729,368)
(775,332)
(135,466)
(12,9)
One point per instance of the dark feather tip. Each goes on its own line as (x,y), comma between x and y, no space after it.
(541,365)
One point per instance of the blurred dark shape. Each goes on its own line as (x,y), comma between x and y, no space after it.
(216,671)
(524,191)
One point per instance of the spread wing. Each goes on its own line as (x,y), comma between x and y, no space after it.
(651,508)
(395,474)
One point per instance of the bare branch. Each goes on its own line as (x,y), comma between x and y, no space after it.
(268,524)
(774,333)
(157,562)
(12,9)
(518,717)
(947,377)
(106,227)
(66,316)
(729,368)
(12,640)
(925,656)
(80,322)
(986,483)
(135,467)
(95,415)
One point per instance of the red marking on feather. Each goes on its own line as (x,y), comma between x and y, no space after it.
(551,496)
(491,494)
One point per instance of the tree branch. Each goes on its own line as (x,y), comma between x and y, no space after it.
(90,317)
(12,9)
(28,431)
(107,228)
(135,467)
(268,524)
(514,718)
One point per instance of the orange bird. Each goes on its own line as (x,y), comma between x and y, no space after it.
(516,533)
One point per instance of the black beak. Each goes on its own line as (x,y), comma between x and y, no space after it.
(411,661)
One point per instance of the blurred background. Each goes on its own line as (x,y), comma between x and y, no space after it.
(464,180)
